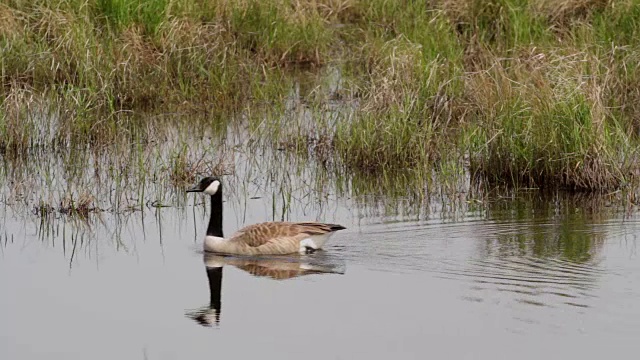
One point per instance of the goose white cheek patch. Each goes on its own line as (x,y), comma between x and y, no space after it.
(212,188)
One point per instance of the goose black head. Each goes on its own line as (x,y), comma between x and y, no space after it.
(209,185)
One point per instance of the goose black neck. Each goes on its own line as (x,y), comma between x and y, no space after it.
(215,221)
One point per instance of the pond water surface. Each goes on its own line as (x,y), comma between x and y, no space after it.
(526,278)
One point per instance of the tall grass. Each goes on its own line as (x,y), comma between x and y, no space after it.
(532,93)
(545,123)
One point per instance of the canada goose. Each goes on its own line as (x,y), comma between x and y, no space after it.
(267,238)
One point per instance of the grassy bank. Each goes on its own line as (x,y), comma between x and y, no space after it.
(514,92)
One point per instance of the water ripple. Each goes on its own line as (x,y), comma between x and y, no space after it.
(534,262)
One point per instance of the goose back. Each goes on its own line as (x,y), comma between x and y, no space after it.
(273,238)
(260,234)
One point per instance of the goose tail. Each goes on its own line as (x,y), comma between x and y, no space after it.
(336,227)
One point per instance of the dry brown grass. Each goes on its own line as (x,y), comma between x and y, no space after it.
(567,12)
(11,22)
(186,168)
(80,206)
(393,70)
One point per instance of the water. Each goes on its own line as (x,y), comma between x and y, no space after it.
(396,284)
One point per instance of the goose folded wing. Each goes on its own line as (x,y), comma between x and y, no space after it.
(261,234)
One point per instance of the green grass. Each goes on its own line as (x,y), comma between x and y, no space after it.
(121,14)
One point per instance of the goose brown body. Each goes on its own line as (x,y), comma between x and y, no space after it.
(274,238)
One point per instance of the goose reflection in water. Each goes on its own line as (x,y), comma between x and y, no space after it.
(274,267)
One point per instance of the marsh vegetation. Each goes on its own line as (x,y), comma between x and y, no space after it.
(425,96)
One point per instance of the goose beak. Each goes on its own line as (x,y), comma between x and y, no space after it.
(194,189)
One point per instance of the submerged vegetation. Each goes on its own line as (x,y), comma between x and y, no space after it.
(521,93)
